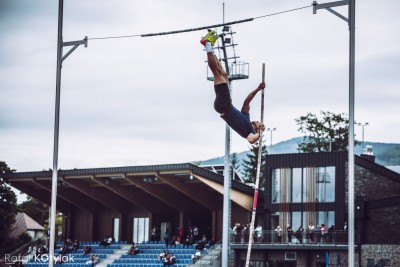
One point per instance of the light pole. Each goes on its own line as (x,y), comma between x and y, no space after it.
(271,130)
(362,125)
(352,36)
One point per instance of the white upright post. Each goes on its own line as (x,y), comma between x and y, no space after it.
(56,135)
(352,38)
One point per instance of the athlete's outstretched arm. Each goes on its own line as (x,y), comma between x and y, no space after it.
(249,98)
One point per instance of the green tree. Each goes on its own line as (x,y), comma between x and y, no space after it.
(330,132)
(8,205)
(11,244)
(35,209)
(234,161)
(250,164)
(234,164)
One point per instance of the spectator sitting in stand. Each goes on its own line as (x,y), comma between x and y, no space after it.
(69,245)
(109,240)
(93,260)
(202,243)
(172,260)
(196,256)
(63,250)
(132,249)
(104,242)
(167,259)
(136,249)
(189,240)
(161,256)
(87,250)
(75,246)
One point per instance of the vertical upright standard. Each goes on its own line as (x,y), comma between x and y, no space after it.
(351,20)
(352,30)
(60,59)
(56,134)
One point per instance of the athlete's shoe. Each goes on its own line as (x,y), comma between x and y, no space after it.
(211,37)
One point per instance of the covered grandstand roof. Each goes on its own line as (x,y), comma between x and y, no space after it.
(148,187)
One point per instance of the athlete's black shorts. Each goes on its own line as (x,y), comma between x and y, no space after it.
(223,100)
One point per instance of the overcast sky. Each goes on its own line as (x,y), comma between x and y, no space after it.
(133,101)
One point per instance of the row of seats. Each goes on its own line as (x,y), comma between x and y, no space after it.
(163,246)
(143,265)
(136,261)
(170,250)
(146,255)
(93,243)
(40,264)
(81,247)
(80,256)
(95,251)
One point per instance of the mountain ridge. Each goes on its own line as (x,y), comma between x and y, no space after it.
(386,154)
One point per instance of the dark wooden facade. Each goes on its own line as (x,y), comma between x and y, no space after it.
(177,194)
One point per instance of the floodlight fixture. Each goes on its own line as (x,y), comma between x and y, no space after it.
(226,29)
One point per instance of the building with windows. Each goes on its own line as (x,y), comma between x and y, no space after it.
(307,190)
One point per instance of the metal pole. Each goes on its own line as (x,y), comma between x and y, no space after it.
(227,178)
(271,130)
(351,132)
(363,133)
(226,201)
(56,134)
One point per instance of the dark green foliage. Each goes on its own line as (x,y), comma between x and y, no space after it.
(11,244)
(328,133)
(234,161)
(249,166)
(35,209)
(8,205)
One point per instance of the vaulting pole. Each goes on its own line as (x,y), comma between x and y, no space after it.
(259,163)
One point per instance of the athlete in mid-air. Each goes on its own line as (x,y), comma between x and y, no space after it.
(239,121)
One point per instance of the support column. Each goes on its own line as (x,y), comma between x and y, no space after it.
(181,218)
(213,223)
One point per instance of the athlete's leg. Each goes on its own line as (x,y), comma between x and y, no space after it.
(216,68)
(219,74)
(221,68)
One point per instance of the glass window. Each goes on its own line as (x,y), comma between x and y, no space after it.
(275,185)
(330,185)
(116,229)
(326,217)
(296,220)
(140,229)
(296,185)
(326,184)
(303,185)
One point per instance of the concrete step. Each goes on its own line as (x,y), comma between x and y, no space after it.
(116,255)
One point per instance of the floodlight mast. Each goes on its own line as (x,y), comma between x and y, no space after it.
(226,218)
(60,59)
(351,22)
